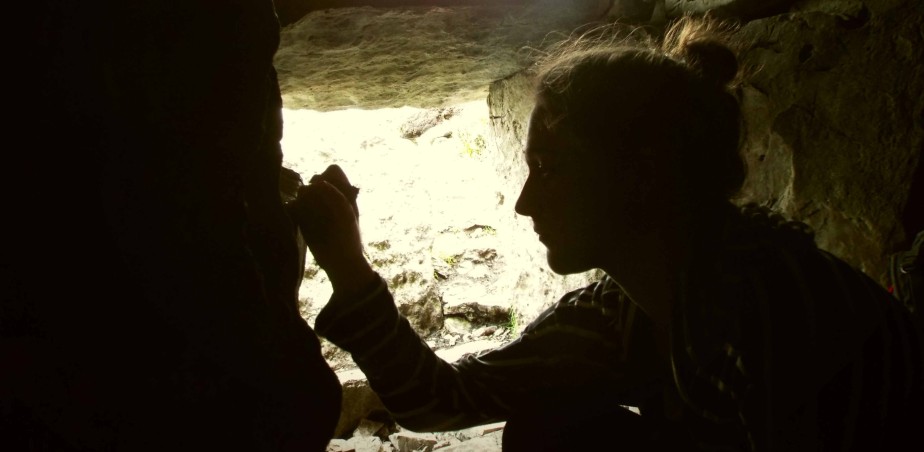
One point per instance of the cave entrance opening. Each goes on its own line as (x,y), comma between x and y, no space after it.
(430,199)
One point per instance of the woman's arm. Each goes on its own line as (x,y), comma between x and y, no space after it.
(576,350)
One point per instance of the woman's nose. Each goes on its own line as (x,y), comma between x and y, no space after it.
(525,204)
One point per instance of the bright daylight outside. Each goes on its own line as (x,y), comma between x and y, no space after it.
(432,207)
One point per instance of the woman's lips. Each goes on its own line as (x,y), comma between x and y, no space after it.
(540,232)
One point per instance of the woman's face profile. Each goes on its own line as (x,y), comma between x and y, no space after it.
(571,196)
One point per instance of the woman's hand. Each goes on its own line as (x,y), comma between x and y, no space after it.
(335,176)
(326,212)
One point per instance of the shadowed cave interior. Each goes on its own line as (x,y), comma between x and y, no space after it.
(148,304)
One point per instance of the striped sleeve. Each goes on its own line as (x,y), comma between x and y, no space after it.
(581,342)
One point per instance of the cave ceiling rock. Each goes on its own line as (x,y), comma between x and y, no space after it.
(741,9)
(371,57)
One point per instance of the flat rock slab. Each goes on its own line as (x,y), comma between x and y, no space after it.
(418,56)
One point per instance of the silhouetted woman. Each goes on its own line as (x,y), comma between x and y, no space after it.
(727,327)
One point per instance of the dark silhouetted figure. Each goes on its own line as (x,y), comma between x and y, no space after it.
(150,269)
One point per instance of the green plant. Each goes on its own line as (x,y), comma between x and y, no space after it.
(311,271)
(382,262)
(512,322)
(450,260)
(405,278)
(472,146)
(381,246)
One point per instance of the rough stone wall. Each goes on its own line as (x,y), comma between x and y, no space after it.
(835,116)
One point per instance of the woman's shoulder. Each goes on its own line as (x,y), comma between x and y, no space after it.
(779,287)
(752,249)
(761,233)
(765,270)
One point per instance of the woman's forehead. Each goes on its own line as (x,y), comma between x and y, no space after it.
(548,134)
(541,139)
(546,116)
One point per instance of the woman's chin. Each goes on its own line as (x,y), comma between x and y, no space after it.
(565,264)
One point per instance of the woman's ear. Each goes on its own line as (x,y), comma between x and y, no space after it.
(651,182)
(644,173)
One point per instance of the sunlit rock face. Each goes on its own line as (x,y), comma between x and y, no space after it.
(417,56)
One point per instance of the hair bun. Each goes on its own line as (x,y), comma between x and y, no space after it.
(712,60)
